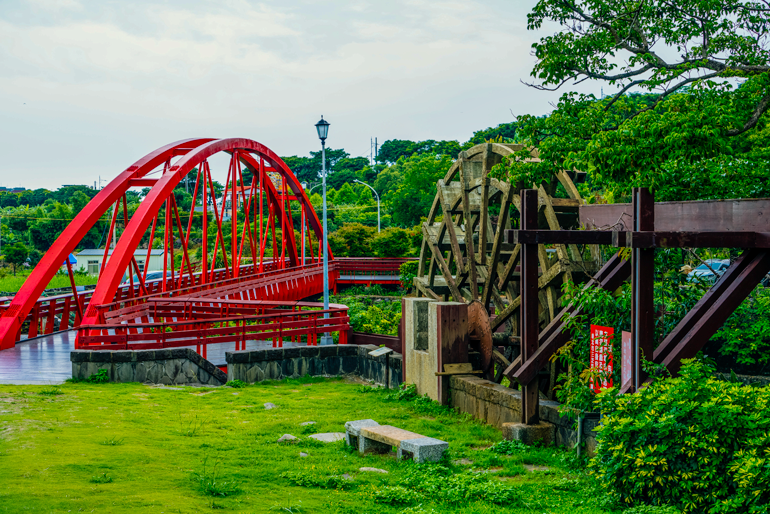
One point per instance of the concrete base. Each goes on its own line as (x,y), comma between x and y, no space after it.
(424,449)
(543,432)
(326,340)
(353,430)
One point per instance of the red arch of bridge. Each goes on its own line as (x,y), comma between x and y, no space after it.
(193,152)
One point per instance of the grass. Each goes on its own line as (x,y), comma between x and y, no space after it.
(131,448)
(11,284)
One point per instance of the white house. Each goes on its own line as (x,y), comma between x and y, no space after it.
(90,261)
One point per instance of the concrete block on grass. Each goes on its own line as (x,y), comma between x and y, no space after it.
(353,430)
(543,432)
(424,449)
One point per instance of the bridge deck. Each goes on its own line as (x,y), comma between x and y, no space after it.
(46,360)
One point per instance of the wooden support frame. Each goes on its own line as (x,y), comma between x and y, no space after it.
(529,307)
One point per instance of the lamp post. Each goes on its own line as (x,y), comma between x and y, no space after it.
(323,130)
(378,201)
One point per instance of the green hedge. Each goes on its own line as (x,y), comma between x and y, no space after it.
(693,442)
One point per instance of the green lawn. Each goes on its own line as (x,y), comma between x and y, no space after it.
(136,448)
(11,284)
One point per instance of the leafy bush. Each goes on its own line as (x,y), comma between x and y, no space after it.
(508,447)
(100,377)
(440,483)
(392,242)
(372,316)
(745,336)
(237,384)
(693,442)
(407,272)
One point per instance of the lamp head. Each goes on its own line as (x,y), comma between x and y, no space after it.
(323,129)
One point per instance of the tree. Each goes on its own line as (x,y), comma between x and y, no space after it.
(392,242)
(627,43)
(15,254)
(80,199)
(505,131)
(352,240)
(414,196)
(394,149)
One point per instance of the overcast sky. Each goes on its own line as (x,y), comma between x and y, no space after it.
(88,87)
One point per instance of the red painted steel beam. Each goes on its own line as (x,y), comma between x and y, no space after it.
(113,272)
(23,302)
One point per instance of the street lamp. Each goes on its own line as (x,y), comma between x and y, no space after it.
(378,201)
(323,130)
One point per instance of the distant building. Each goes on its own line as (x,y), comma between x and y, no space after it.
(90,261)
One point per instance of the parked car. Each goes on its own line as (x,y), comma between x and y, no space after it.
(710,271)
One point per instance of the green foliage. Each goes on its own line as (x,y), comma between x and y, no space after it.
(694,442)
(392,242)
(104,478)
(100,377)
(407,271)
(113,441)
(15,254)
(394,149)
(237,384)
(210,485)
(745,335)
(440,483)
(373,316)
(51,391)
(312,479)
(413,197)
(352,240)
(505,133)
(506,447)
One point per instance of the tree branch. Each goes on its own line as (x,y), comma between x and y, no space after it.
(759,110)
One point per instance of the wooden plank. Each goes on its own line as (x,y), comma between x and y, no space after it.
(529,307)
(484,221)
(501,223)
(468,232)
(459,367)
(450,227)
(642,278)
(693,216)
(444,268)
(713,309)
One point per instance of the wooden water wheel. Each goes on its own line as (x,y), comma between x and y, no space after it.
(465,257)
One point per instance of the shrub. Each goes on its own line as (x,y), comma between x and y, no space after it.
(237,384)
(407,272)
(693,442)
(392,242)
(100,377)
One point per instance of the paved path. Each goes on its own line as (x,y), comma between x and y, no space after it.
(46,360)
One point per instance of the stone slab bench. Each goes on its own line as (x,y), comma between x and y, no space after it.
(370,436)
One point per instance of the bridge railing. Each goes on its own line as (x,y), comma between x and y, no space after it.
(370,270)
(197,322)
(58,313)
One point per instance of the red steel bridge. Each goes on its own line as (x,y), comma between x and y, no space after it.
(237,268)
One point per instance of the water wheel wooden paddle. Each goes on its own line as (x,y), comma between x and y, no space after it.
(465,258)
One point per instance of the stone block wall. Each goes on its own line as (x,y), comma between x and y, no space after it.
(496,404)
(167,366)
(333,360)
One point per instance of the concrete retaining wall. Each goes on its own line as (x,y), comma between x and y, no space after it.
(167,366)
(333,360)
(496,405)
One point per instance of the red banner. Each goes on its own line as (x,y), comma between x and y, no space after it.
(601,355)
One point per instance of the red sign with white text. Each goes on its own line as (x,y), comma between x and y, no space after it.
(601,355)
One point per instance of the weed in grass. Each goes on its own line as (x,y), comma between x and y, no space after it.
(51,391)
(393,495)
(291,508)
(100,377)
(508,447)
(210,486)
(113,441)
(237,384)
(313,479)
(104,478)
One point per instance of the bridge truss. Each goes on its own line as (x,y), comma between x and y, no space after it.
(255,239)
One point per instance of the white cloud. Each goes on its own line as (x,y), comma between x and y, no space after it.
(108,83)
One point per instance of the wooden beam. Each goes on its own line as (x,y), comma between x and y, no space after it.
(529,306)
